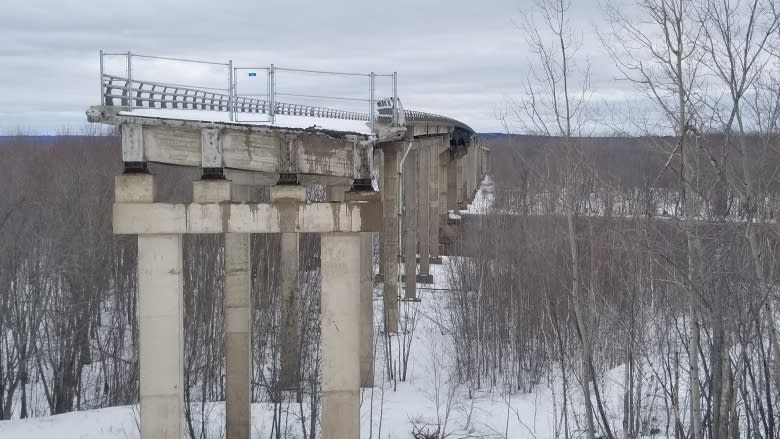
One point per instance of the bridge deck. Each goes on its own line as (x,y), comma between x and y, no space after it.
(280,121)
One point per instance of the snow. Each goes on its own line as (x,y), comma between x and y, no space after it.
(280,121)
(422,399)
(483,198)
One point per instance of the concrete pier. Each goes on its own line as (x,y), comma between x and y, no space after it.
(473,173)
(238,336)
(237,307)
(453,188)
(160,318)
(366,309)
(424,205)
(289,197)
(410,224)
(340,253)
(379,160)
(160,335)
(390,250)
(433,213)
(289,356)
(462,182)
(444,165)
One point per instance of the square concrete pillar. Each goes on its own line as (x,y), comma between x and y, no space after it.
(289,368)
(340,259)
(379,159)
(444,165)
(237,308)
(288,198)
(433,215)
(452,183)
(462,181)
(238,336)
(390,244)
(409,219)
(473,172)
(366,309)
(161,335)
(423,206)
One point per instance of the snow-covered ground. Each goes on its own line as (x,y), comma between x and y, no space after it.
(483,198)
(431,396)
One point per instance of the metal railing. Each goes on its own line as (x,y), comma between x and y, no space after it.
(129,92)
(123,92)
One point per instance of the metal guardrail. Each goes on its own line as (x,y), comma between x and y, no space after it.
(129,92)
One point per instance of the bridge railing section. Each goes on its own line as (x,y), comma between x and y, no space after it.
(265,92)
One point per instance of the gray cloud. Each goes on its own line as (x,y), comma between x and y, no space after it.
(460,58)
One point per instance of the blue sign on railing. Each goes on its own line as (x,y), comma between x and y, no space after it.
(252,73)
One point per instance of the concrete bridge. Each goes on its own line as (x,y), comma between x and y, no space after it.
(389,171)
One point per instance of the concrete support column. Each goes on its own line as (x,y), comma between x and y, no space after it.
(444,197)
(471,175)
(238,336)
(340,259)
(423,205)
(160,318)
(289,364)
(474,171)
(160,335)
(390,250)
(452,183)
(462,181)
(288,198)
(433,215)
(410,224)
(237,307)
(366,309)
(379,158)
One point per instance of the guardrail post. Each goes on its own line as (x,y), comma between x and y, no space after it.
(371,97)
(129,81)
(102,90)
(231,95)
(271,93)
(395,98)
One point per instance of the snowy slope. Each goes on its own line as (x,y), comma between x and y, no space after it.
(429,396)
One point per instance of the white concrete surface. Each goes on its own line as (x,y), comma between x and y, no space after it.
(340,253)
(160,335)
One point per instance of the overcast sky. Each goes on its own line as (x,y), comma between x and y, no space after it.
(460,58)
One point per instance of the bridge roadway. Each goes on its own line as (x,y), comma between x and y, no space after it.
(397,175)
